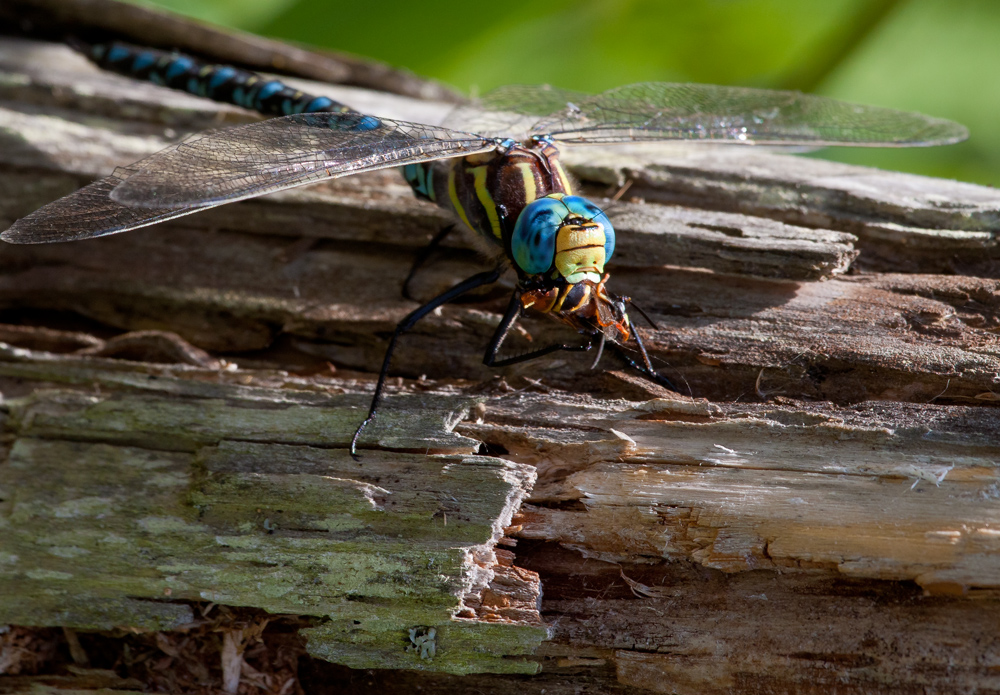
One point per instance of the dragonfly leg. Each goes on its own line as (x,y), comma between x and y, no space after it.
(422,257)
(506,323)
(477,280)
(646,368)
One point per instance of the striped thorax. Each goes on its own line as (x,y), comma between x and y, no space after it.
(520,199)
(489,191)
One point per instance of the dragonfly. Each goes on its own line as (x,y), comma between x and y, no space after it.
(501,176)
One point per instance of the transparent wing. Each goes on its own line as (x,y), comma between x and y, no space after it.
(665,111)
(251,160)
(513,111)
(88,213)
(222,166)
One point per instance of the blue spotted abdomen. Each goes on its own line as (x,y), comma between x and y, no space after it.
(219,82)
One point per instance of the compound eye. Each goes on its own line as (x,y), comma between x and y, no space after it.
(533,243)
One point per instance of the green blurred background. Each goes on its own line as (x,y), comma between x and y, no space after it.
(941,57)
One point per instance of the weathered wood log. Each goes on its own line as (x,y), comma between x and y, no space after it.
(818,511)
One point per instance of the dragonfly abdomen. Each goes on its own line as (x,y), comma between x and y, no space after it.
(219,82)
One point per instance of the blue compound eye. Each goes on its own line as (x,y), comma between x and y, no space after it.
(533,243)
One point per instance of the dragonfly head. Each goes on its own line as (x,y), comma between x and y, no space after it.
(586,305)
(563,237)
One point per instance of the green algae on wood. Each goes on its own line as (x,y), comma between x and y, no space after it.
(120,507)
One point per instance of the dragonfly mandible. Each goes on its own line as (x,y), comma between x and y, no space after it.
(502,179)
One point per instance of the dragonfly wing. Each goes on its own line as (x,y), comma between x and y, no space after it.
(666,111)
(251,160)
(512,111)
(86,214)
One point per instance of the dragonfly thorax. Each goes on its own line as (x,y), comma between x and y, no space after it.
(489,191)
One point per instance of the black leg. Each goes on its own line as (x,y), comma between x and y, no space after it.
(642,351)
(477,280)
(646,367)
(506,323)
(422,257)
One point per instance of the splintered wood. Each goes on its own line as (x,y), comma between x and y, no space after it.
(816,509)
(880,491)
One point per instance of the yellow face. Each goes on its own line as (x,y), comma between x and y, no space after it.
(580,251)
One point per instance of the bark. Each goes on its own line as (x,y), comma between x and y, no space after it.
(816,508)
